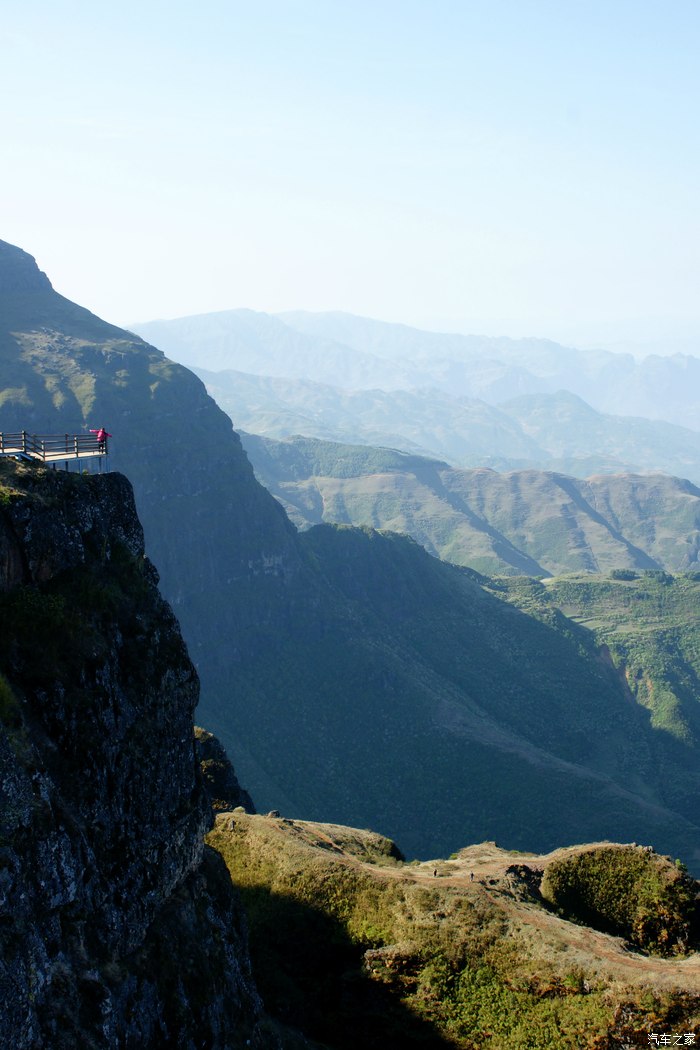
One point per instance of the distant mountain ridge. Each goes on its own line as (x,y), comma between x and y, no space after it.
(558,432)
(532,522)
(361,354)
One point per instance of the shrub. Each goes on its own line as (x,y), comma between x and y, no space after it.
(623,574)
(625,891)
(659,575)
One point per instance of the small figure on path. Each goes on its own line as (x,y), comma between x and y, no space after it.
(471,876)
(102,436)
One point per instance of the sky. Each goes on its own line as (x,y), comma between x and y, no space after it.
(516,167)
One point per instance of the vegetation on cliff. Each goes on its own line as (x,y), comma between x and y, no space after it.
(220,781)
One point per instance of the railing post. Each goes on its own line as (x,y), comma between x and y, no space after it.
(24,442)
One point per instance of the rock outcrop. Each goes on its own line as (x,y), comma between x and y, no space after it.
(220,780)
(19,272)
(118,927)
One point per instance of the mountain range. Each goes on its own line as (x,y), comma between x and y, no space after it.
(357,353)
(534,522)
(547,431)
(352,676)
(473,401)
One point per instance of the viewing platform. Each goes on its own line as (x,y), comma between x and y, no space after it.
(51,448)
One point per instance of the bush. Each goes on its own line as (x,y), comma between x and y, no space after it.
(625,891)
(659,575)
(623,574)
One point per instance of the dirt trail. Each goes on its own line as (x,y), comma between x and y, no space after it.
(482,872)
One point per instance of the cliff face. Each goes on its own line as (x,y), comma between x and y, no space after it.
(117,927)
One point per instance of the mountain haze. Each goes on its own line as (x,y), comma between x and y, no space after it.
(545,431)
(359,353)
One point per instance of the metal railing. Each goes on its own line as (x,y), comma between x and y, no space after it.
(46,447)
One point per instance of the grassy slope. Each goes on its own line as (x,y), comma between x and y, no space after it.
(357,948)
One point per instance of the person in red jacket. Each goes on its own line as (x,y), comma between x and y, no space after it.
(102,436)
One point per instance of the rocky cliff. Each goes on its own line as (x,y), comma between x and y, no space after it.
(118,928)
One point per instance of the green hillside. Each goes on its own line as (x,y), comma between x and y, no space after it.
(532,522)
(648,628)
(436,713)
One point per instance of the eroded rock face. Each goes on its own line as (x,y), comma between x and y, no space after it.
(116,930)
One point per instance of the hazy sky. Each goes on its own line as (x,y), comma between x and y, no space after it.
(522,166)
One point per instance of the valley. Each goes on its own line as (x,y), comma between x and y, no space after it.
(350,675)
(354,678)
(350,526)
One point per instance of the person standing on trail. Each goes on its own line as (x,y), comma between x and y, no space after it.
(102,436)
